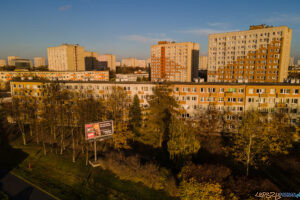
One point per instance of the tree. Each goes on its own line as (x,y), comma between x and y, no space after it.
(135,116)
(183,139)
(191,189)
(259,138)
(162,107)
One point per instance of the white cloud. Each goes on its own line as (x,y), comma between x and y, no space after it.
(282,18)
(144,39)
(204,31)
(65,7)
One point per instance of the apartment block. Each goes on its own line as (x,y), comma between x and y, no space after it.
(260,54)
(193,98)
(202,63)
(107,61)
(172,61)
(39,62)
(2,62)
(129,62)
(90,59)
(21,63)
(67,57)
(10,60)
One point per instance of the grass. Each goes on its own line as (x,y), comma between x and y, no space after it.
(59,176)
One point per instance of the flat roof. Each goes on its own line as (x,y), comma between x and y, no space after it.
(161,83)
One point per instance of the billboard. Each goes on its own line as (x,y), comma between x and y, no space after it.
(98,130)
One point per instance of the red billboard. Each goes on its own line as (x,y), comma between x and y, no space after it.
(98,130)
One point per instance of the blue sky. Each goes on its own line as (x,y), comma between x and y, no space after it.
(128,27)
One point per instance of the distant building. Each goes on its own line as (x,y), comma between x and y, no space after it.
(129,62)
(22,63)
(118,64)
(260,54)
(39,62)
(172,61)
(132,77)
(10,59)
(148,62)
(292,61)
(298,62)
(141,63)
(67,57)
(91,62)
(203,62)
(2,62)
(107,61)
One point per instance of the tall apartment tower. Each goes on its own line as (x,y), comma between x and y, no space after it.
(2,62)
(107,61)
(67,57)
(39,61)
(90,59)
(260,54)
(203,62)
(129,62)
(10,60)
(172,61)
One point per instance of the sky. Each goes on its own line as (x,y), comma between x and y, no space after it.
(127,28)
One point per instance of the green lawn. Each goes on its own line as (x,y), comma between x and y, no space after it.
(66,180)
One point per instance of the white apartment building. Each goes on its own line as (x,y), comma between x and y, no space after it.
(39,61)
(107,61)
(260,54)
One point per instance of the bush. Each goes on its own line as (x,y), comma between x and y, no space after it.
(130,168)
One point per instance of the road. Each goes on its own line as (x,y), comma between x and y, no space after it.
(18,189)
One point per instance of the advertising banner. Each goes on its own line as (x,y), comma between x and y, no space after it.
(98,130)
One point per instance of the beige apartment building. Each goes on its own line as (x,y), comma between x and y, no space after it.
(107,61)
(67,57)
(172,61)
(39,61)
(129,62)
(202,62)
(2,62)
(260,54)
(10,60)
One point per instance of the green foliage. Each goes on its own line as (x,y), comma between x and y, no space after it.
(135,116)
(182,138)
(192,189)
(162,107)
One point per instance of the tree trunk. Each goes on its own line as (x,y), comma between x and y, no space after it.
(73,146)
(248,154)
(87,155)
(44,148)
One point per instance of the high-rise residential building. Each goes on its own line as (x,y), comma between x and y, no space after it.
(203,62)
(172,61)
(39,61)
(298,62)
(67,57)
(90,59)
(129,62)
(118,64)
(107,61)
(148,62)
(292,61)
(10,60)
(260,54)
(141,63)
(2,62)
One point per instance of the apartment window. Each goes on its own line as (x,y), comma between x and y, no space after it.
(231,99)
(202,90)
(221,99)
(202,99)
(221,90)
(176,89)
(250,100)
(295,101)
(260,91)
(194,90)
(296,91)
(240,100)
(211,90)
(194,98)
(185,89)
(284,91)
(241,90)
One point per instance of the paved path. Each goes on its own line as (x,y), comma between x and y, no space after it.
(18,189)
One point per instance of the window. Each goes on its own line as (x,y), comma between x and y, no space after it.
(194,98)
(221,99)
(251,90)
(176,89)
(221,90)
(241,90)
(260,91)
(284,91)
(296,91)
(272,91)
(202,99)
(202,90)
(295,101)
(211,89)
(250,100)
(194,90)
(240,99)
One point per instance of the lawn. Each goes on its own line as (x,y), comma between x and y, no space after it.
(59,176)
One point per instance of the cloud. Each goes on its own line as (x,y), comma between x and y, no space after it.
(204,31)
(282,18)
(65,7)
(144,39)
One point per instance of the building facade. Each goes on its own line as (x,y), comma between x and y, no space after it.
(90,59)
(172,61)
(260,54)
(202,63)
(22,63)
(10,60)
(129,62)
(192,97)
(107,61)
(39,62)
(132,77)
(2,62)
(67,57)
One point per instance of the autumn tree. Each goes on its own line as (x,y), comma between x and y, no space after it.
(182,139)
(259,138)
